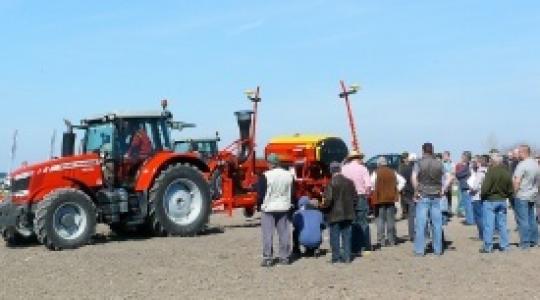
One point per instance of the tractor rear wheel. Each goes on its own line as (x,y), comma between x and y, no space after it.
(180,202)
(65,219)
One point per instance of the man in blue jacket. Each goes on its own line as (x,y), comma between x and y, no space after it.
(308,224)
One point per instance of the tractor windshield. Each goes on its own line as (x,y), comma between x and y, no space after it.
(99,137)
(139,138)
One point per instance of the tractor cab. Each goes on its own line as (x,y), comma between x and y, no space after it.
(132,137)
(124,141)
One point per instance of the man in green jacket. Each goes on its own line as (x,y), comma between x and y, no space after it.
(496,190)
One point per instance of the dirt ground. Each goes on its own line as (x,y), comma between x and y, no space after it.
(224,264)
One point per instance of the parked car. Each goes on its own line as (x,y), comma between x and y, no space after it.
(393,160)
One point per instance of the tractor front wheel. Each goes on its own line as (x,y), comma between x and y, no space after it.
(65,219)
(14,238)
(180,202)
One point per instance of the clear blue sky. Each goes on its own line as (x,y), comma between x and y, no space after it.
(463,74)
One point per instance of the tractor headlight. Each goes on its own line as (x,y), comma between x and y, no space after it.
(20,184)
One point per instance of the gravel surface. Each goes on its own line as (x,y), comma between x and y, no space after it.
(224,264)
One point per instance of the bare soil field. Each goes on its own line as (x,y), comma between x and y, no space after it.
(224,264)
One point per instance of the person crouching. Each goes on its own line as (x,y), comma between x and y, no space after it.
(308,225)
(340,200)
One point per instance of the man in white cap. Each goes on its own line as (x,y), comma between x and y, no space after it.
(355,170)
(275,192)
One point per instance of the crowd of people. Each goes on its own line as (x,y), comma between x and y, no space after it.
(487,186)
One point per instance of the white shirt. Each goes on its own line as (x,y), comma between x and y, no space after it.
(475,182)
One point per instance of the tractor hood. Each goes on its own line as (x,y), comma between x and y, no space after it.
(55,165)
(33,182)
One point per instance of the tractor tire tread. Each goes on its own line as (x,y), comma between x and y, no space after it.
(155,224)
(40,221)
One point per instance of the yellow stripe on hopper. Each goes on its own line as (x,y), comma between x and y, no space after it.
(299,139)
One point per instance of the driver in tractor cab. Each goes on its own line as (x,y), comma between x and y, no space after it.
(140,145)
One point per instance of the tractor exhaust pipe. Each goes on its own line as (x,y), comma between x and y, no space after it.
(68,144)
(244,118)
(68,140)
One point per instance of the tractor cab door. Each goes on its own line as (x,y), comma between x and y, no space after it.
(139,140)
(100,139)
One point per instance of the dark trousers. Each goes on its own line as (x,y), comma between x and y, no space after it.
(386,223)
(411,215)
(404,207)
(449,197)
(340,239)
(361,237)
(271,222)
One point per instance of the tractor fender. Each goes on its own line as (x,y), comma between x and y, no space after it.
(66,184)
(151,169)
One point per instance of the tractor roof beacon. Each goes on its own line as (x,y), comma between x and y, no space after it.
(126,175)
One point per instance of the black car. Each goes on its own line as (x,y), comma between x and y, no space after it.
(393,160)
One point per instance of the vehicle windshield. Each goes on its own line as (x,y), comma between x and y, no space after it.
(99,137)
(205,147)
(182,147)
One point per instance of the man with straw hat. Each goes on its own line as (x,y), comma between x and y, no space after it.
(355,170)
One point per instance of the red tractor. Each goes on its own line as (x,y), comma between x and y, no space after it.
(126,176)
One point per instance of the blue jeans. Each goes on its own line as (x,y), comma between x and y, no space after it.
(433,206)
(460,206)
(477,212)
(528,228)
(467,205)
(340,237)
(494,217)
(361,237)
(444,210)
